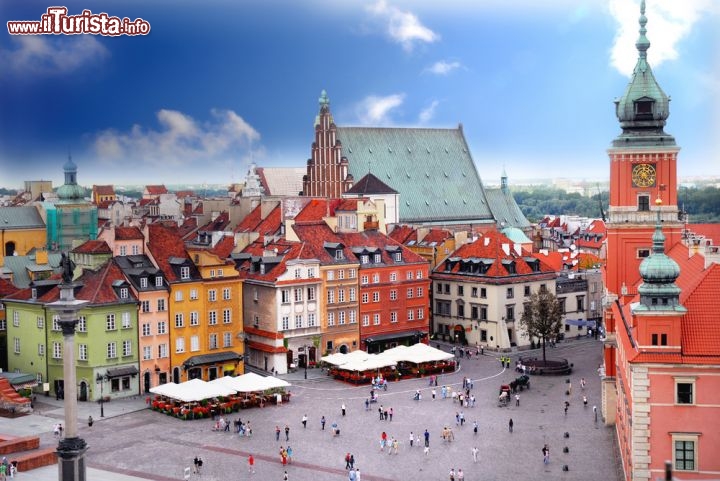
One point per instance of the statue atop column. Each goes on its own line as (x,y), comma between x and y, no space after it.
(68,267)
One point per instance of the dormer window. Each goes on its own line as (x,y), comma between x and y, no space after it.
(158,281)
(397,257)
(364,259)
(143,282)
(123,293)
(377,258)
(644,108)
(184,272)
(339,255)
(33,293)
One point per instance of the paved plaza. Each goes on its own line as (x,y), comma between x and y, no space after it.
(132,442)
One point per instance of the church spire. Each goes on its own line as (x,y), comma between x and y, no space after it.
(642,44)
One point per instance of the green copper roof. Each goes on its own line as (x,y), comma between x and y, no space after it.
(644,107)
(432,169)
(504,208)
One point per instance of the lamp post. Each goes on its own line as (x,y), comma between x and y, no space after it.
(307,359)
(101,379)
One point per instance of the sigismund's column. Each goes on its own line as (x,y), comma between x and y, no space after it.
(71,449)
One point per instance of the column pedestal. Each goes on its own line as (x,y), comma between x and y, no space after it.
(71,459)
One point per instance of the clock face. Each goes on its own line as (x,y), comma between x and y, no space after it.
(643,175)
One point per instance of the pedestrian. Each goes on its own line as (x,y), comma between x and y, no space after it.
(352,461)
(367,404)
(475,427)
(546,454)
(351,475)
(195,465)
(199,465)
(567,405)
(510,425)
(285,476)
(412,439)
(385,414)
(251,464)
(460,475)
(380,412)
(60,428)
(433,393)
(304,420)
(390,412)
(287,433)
(357,474)
(347,460)
(322,423)
(595,412)
(283,456)
(462,418)
(452,474)
(517,400)
(342,408)
(585,401)
(582,383)
(475,451)
(427,438)
(90,421)
(289,452)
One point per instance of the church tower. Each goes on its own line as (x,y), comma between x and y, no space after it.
(327,171)
(643,167)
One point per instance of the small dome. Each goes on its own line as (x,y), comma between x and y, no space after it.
(70,166)
(70,192)
(659,269)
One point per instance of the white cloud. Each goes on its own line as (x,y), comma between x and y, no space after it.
(180,140)
(403,27)
(374,110)
(443,68)
(669,21)
(41,55)
(427,114)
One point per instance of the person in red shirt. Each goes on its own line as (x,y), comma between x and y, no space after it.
(251,464)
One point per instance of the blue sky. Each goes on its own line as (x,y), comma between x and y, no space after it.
(217,84)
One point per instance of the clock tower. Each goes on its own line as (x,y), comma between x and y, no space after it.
(643,168)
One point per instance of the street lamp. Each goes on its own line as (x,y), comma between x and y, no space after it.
(307,358)
(101,379)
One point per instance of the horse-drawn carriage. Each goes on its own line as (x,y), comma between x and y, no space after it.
(520,383)
(504,395)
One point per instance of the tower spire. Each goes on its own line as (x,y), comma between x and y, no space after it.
(642,43)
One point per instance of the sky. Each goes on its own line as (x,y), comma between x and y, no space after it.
(216,85)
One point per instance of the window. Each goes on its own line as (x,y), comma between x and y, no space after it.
(135,250)
(663,339)
(341,295)
(56,323)
(16,345)
(179,320)
(421,313)
(643,203)
(341,274)
(126,320)
(365,298)
(311,319)
(56,350)
(82,352)
(376,319)
(158,281)
(147,353)
(146,329)
(460,290)
(82,324)
(41,322)
(684,390)
(393,295)
(352,273)
(298,294)
(127,348)
(364,280)
(510,293)
(483,293)
(419,275)
(447,288)
(581,303)
(397,257)
(510,313)
(162,351)
(212,318)
(110,322)
(220,273)
(339,255)
(16,319)
(474,292)
(393,316)
(364,259)
(194,318)
(331,296)
(643,253)
(461,310)
(341,318)
(377,258)
(212,295)
(483,313)
(685,452)
(285,323)
(410,293)
(311,272)
(143,282)
(161,305)
(111,350)
(561,301)
(376,296)
(285,296)
(161,327)
(376,278)
(439,288)
(180,344)
(193,294)
(419,292)
(123,250)
(353,317)
(185,272)
(178,296)
(353,298)
(145,306)
(410,315)
(298,321)
(365,320)
(298,273)
(227,339)
(331,318)
(227,316)
(194,343)
(393,276)
(331,275)
(526,291)
(213,341)
(409,275)
(226,293)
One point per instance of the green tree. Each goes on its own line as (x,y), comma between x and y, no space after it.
(542,317)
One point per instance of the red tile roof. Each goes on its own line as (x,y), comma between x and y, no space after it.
(285,250)
(156,189)
(250,221)
(104,189)
(403,234)
(165,242)
(700,326)
(181,194)
(128,233)
(315,235)
(373,238)
(317,209)
(188,227)
(224,247)
(144,202)
(436,235)
(7,288)
(270,225)
(349,205)
(710,231)
(93,247)
(219,224)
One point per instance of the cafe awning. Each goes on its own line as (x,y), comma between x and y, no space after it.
(394,335)
(122,371)
(214,358)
